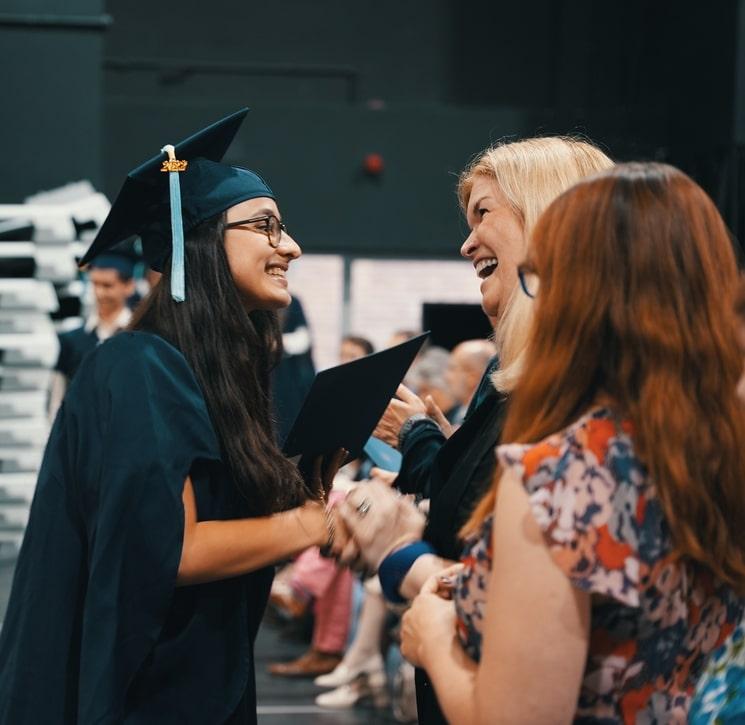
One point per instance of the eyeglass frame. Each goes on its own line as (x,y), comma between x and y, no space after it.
(522,271)
(266,230)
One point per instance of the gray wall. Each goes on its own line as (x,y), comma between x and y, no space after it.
(312,158)
(308,134)
(50,113)
(425,83)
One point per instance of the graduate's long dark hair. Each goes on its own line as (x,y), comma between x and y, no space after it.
(232,353)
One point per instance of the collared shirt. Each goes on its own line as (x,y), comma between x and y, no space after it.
(104,330)
(75,345)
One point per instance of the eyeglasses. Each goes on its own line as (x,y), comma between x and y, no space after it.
(267,224)
(529,280)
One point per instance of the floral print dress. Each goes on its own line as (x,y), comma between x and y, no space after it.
(720,693)
(655,619)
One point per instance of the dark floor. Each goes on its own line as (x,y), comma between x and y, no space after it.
(280,700)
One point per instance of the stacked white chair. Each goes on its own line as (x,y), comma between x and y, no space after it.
(35,270)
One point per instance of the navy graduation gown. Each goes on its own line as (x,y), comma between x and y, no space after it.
(73,347)
(96,630)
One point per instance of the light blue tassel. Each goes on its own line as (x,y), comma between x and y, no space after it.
(178,284)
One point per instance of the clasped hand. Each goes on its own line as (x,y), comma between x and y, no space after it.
(371,522)
(431,617)
(315,512)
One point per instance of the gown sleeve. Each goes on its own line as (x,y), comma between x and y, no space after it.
(154,426)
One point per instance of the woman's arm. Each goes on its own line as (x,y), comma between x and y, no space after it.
(221,549)
(536,631)
(422,569)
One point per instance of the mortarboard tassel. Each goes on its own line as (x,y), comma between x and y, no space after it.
(173,166)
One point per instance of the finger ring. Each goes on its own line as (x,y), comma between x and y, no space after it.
(363,507)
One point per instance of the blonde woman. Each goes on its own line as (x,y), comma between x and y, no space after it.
(502,193)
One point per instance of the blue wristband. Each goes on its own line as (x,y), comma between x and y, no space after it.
(396,565)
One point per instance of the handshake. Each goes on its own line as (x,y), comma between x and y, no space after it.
(371,522)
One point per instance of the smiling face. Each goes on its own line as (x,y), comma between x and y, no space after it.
(259,270)
(496,244)
(111,291)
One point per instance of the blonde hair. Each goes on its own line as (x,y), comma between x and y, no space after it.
(530,174)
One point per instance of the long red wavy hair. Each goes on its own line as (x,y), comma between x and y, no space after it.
(636,303)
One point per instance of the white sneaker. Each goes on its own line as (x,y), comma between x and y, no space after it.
(372,686)
(343,675)
(404,694)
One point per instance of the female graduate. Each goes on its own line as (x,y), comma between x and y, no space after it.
(163,499)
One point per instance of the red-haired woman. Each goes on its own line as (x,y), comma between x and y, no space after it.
(611,542)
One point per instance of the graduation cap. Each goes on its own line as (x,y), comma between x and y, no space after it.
(121,260)
(173,192)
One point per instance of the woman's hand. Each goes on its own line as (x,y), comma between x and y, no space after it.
(343,547)
(430,620)
(380,474)
(312,518)
(325,469)
(379,520)
(399,410)
(434,412)
(313,515)
(444,580)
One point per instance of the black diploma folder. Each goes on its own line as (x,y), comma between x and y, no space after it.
(345,402)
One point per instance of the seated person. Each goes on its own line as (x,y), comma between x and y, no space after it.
(354,347)
(428,379)
(327,587)
(465,368)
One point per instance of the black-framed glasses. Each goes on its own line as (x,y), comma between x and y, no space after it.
(267,224)
(529,280)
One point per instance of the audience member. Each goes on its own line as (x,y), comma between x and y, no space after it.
(361,673)
(354,347)
(427,377)
(400,336)
(293,376)
(327,587)
(465,368)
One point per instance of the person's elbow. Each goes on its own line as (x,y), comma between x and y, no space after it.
(190,569)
